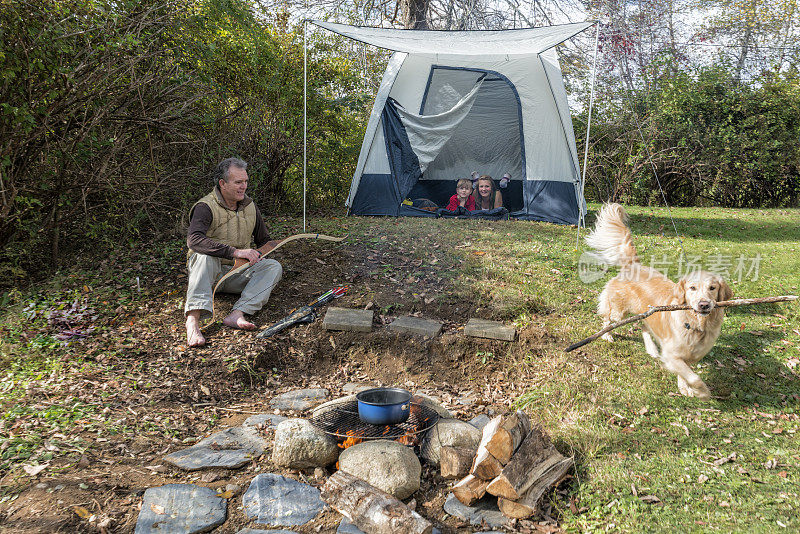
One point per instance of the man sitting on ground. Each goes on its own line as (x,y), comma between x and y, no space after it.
(222,226)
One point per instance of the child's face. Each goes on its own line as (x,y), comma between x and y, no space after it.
(463,191)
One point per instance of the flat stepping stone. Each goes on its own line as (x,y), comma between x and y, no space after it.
(268,420)
(229,449)
(489,329)
(348,319)
(180,508)
(416,325)
(276,501)
(485,511)
(299,399)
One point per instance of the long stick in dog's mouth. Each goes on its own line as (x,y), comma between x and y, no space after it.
(677,307)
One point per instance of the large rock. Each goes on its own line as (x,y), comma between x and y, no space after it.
(231,448)
(277,501)
(385,464)
(299,399)
(449,433)
(180,508)
(299,444)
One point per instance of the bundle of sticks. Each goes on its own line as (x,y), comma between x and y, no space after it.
(515,461)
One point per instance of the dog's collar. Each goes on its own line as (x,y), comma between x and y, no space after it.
(690,327)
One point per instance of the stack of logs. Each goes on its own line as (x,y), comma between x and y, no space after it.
(515,461)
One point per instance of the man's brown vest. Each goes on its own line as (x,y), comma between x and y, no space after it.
(230,227)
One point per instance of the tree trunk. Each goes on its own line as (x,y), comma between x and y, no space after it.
(415,14)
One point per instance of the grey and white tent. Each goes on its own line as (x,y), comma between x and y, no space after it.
(454,102)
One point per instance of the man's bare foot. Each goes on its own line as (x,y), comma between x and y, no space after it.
(236,320)
(194,337)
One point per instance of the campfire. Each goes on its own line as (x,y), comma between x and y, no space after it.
(343,423)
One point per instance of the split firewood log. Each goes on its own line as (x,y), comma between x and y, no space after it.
(535,456)
(470,489)
(528,504)
(485,466)
(508,436)
(371,509)
(455,462)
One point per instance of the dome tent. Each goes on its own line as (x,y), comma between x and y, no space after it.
(454,102)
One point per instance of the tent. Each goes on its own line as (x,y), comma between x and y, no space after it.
(454,102)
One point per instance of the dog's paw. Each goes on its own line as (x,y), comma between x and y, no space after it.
(607,337)
(700,391)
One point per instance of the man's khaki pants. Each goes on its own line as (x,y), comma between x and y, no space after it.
(254,284)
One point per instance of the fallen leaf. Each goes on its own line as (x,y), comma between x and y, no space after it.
(34,470)
(731,457)
(225,494)
(82,512)
(650,499)
(702,479)
(157,508)
(205,390)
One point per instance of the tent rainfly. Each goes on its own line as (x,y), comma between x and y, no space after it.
(454,102)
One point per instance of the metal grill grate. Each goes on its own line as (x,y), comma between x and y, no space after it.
(343,422)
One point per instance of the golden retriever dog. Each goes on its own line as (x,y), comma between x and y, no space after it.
(677,339)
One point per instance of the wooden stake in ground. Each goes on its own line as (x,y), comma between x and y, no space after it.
(371,509)
(677,307)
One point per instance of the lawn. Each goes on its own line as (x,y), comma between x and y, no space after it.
(647,459)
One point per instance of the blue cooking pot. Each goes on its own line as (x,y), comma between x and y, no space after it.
(384,406)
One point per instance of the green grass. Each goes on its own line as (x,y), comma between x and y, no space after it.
(730,464)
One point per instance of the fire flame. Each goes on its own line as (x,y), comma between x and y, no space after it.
(353,438)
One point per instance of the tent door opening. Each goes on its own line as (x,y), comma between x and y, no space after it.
(488,140)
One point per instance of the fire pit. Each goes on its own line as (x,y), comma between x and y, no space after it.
(343,423)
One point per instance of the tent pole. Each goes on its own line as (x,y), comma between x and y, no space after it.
(305,118)
(588,127)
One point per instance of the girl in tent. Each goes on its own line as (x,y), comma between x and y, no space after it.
(487,196)
(463,196)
